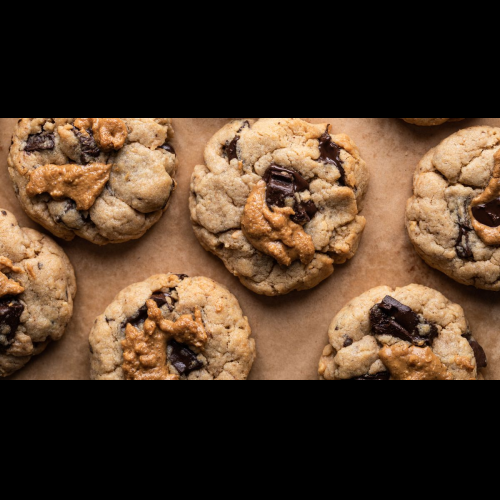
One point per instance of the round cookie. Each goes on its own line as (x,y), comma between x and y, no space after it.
(453,219)
(430,122)
(107,180)
(172,327)
(410,333)
(278,200)
(37,288)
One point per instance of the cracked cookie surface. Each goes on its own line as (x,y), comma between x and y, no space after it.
(37,289)
(410,333)
(442,216)
(172,327)
(107,180)
(430,122)
(313,183)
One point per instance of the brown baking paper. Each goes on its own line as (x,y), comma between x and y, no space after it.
(290,331)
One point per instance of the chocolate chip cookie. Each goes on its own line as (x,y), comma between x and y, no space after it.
(172,327)
(454,216)
(410,333)
(430,122)
(37,288)
(107,180)
(279,202)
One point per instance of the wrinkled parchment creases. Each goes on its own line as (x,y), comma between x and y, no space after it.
(489,235)
(407,362)
(273,232)
(185,330)
(83,184)
(145,356)
(8,286)
(145,353)
(109,133)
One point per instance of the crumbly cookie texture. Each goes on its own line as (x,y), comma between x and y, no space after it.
(430,122)
(453,217)
(37,289)
(278,200)
(107,180)
(410,333)
(171,327)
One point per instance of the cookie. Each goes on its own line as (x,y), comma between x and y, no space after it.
(37,288)
(430,122)
(172,327)
(453,219)
(107,180)
(278,200)
(410,333)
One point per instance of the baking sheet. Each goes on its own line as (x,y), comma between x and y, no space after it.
(290,331)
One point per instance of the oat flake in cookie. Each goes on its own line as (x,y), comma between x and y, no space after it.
(278,200)
(411,333)
(37,288)
(172,327)
(454,216)
(107,180)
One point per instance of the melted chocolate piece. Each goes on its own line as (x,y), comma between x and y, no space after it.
(11,311)
(183,359)
(488,213)
(330,154)
(463,248)
(390,317)
(480,355)
(282,184)
(89,146)
(231,147)
(377,376)
(348,341)
(182,277)
(168,147)
(40,142)
(142,314)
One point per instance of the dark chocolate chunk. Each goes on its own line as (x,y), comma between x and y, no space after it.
(390,317)
(330,154)
(480,355)
(161,299)
(183,359)
(40,142)
(90,149)
(377,376)
(11,311)
(463,248)
(231,147)
(182,277)
(488,213)
(348,341)
(282,184)
(168,147)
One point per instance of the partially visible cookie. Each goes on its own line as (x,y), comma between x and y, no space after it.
(37,288)
(410,333)
(172,327)
(279,201)
(107,180)
(430,122)
(453,219)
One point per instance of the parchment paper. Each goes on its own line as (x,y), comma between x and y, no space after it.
(290,331)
